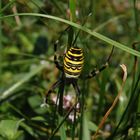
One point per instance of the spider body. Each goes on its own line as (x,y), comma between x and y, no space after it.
(73,62)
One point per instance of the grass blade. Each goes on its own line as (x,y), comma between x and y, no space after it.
(24,79)
(92,33)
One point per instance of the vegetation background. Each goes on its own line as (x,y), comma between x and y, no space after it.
(27,70)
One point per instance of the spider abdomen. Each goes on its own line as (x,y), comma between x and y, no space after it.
(73,62)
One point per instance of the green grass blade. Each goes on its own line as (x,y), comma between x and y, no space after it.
(62,129)
(72,5)
(92,33)
(24,79)
(86,132)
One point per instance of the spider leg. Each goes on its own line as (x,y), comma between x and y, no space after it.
(76,87)
(60,97)
(57,63)
(55,85)
(97,71)
(80,107)
(78,92)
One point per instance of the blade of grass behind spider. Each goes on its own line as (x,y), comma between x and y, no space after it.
(84,96)
(93,33)
(86,132)
(72,5)
(62,129)
(85,125)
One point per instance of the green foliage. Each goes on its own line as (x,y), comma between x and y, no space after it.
(27,74)
(9,129)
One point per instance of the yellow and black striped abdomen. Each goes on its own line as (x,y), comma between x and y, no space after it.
(73,62)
